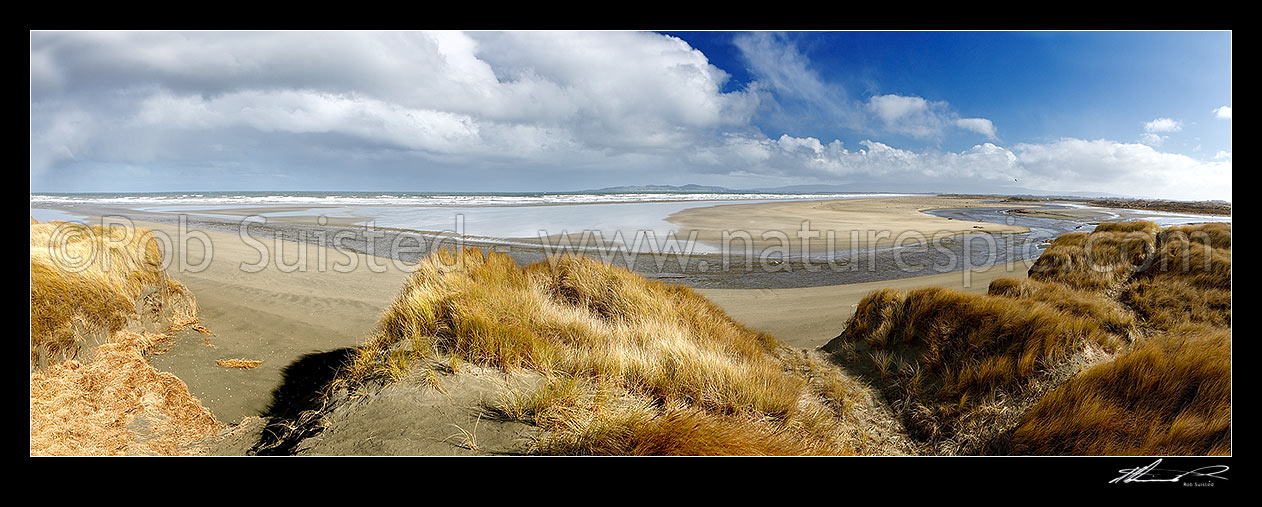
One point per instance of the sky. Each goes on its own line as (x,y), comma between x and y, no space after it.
(1143,114)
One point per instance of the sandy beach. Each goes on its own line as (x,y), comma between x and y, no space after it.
(879,222)
(270,315)
(808,317)
(279,312)
(277,317)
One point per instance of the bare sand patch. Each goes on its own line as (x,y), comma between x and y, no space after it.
(810,316)
(270,315)
(879,221)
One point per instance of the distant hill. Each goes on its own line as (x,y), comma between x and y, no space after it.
(825,189)
(684,189)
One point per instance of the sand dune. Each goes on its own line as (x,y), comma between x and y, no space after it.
(270,316)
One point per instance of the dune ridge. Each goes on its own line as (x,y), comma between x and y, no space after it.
(622,365)
(1118,343)
(99,303)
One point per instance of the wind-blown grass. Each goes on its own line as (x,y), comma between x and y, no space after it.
(1097,261)
(1157,303)
(961,350)
(687,379)
(88,282)
(97,296)
(1171,395)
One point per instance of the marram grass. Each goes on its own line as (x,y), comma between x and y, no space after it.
(675,373)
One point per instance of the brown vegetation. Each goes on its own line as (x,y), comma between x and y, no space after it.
(99,302)
(1170,395)
(633,366)
(239,363)
(88,282)
(963,370)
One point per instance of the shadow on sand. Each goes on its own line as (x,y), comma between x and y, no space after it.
(294,414)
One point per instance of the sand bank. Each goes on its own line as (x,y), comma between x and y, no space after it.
(810,316)
(879,222)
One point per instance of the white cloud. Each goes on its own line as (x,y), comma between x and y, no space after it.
(922,119)
(444,93)
(1222,113)
(913,116)
(980,125)
(1222,155)
(1151,139)
(434,104)
(1163,125)
(1068,165)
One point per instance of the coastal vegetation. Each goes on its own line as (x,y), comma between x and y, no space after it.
(100,303)
(626,365)
(1118,343)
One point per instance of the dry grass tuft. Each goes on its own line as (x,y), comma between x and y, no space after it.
(90,282)
(97,297)
(962,368)
(117,404)
(673,357)
(1171,395)
(1189,280)
(239,363)
(1100,260)
(959,350)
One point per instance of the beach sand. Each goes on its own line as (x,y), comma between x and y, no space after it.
(270,316)
(872,218)
(277,317)
(810,316)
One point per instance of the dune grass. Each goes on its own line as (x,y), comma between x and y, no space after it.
(1189,280)
(684,378)
(1171,395)
(88,282)
(99,302)
(945,354)
(1159,301)
(117,404)
(1097,261)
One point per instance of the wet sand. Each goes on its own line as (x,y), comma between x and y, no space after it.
(282,312)
(879,222)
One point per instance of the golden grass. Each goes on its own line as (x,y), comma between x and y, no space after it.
(97,295)
(239,363)
(1099,260)
(1171,395)
(948,353)
(1189,280)
(1113,316)
(93,408)
(673,358)
(88,282)
(951,361)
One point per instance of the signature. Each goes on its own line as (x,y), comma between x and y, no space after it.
(1151,473)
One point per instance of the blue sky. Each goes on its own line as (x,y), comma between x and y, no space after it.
(1034,86)
(1130,113)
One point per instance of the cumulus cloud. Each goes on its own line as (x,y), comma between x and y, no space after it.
(1222,113)
(378,110)
(1067,165)
(1151,139)
(439,92)
(922,119)
(1163,125)
(980,125)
